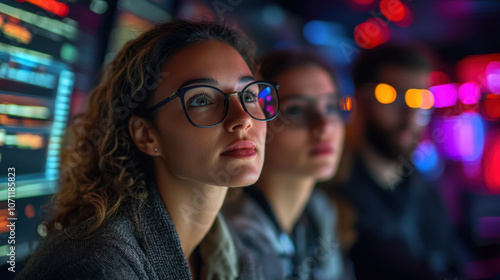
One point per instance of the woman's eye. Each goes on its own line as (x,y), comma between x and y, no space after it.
(332,109)
(293,111)
(199,101)
(249,97)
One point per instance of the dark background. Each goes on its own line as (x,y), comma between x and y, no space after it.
(464,34)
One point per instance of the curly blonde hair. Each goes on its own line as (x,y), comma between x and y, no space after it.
(101,169)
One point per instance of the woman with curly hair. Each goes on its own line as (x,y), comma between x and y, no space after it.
(176,120)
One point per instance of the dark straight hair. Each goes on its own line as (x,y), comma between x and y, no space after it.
(277,62)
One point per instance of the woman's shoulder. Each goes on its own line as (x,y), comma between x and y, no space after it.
(244,215)
(112,252)
(321,204)
(321,210)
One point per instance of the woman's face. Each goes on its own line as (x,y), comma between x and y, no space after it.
(229,154)
(306,139)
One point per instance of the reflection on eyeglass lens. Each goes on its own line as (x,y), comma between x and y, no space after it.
(207,105)
(302,110)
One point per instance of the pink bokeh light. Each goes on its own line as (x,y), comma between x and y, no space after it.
(493,76)
(444,95)
(469,93)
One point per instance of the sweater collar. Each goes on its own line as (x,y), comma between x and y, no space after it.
(159,238)
(162,245)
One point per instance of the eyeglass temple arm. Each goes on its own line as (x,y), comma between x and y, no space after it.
(163,102)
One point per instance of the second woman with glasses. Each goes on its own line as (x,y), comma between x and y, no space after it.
(177,119)
(282,219)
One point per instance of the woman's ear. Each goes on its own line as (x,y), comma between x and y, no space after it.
(144,135)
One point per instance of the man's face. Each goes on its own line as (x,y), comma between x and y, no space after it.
(393,129)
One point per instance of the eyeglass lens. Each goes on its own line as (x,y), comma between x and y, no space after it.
(302,111)
(207,106)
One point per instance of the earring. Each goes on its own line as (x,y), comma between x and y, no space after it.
(156,150)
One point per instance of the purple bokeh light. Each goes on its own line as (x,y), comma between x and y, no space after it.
(444,95)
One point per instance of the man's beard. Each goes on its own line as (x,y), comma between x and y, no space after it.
(386,142)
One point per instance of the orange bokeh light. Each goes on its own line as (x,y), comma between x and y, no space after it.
(29,211)
(346,103)
(427,99)
(413,98)
(18,32)
(385,93)
(3,221)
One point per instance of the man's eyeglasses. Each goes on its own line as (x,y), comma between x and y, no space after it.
(207,106)
(302,110)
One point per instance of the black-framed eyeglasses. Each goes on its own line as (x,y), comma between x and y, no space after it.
(302,110)
(207,106)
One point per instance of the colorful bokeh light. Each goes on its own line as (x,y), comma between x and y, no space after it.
(413,98)
(492,105)
(385,93)
(493,76)
(29,211)
(463,136)
(383,27)
(363,2)
(439,78)
(316,32)
(492,166)
(427,99)
(346,103)
(407,19)
(393,10)
(477,67)
(444,95)
(493,81)
(427,160)
(52,6)
(469,93)
(371,33)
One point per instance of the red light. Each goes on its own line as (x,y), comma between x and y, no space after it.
(3,221)
(473,68)
(29,211)
(52,6)
(393,10)
(493,76)
(492,105)
(371,33)
(407,19)
(363,2)
(361,5)
(439,78)
(383,27)
(492,167)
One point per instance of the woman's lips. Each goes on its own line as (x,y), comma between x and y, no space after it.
(240,149)
(322,149)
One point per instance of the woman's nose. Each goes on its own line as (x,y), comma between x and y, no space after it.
(236,118)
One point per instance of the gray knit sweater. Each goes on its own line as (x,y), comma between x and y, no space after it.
(122,250)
